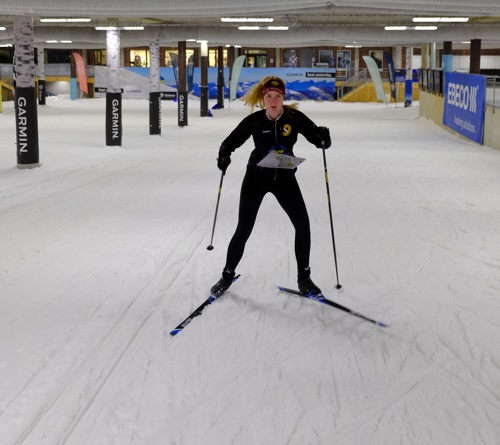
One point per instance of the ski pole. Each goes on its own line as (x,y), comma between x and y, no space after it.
(210,246)
(338,286)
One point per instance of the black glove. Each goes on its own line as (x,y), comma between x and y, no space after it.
(224,159)
(323,134)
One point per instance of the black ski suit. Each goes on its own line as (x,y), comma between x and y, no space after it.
(268,135)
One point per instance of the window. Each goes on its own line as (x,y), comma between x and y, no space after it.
(171,56)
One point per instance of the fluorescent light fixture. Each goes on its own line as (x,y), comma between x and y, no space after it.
(51,41)
(257,28)
(106,28)
(411,28)
(66,41)
(454,19)
(246,19)
(6,45)
(395,28)
(425,28)
(2,28)
(114,28)
(440,19)
(66,20)
(353,46)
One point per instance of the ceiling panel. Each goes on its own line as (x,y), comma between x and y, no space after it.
(311,22)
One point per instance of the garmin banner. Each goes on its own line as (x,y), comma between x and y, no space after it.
(464,102)
(113,119)
(26,127)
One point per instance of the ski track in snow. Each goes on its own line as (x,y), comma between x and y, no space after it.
(106,252)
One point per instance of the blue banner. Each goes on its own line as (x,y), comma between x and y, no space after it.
(301,83)
(464,102)
(392,74)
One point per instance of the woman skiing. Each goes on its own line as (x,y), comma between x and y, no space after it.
(274,128)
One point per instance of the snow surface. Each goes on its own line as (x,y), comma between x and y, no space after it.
(103,251)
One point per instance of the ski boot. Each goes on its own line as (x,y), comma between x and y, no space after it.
(223,284)
(306,286)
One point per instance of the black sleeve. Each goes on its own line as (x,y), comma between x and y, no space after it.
(239,135)
(307,128)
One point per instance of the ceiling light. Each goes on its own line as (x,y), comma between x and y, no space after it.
(248,28)
(440,19)
(425,28)
(6,45)
(66,20)
(454,19)
(411,28)
(395,28)
(246,19)
(106,28)
(115,28)
(2,28)
(59,41)
(353,46)
(277,28)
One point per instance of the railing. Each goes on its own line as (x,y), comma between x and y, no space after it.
(432,81)
(352,83)
(493,91)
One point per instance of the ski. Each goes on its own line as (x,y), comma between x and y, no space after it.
(197,312)
(320,298)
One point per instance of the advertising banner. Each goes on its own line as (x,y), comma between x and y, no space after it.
(113,119)
(376,79)
(464,102)
(26,127)
(392,74)
(301,83)
(81,72)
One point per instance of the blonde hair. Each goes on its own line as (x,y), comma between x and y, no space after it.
(255,96)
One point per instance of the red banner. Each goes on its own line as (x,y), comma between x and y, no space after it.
(81,72)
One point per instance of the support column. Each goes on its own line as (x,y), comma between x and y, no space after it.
(204,79)
(447,57)
(425,56)
(182,94)
(220,77)
(433,60)
(113,91)
(475,56)
(154,89)
(409,77)
(73,84)
(25,94)
(398,57)
(42,89)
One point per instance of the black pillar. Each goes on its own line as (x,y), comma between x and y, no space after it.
(204,80)
(113,119)
(182,94)
(25,94)
(220,77)
(475,56)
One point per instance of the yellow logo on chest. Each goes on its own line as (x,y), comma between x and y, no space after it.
(287,129)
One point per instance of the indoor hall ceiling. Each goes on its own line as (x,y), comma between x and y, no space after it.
(311,22)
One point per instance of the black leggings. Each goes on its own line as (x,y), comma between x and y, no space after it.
(282,184)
